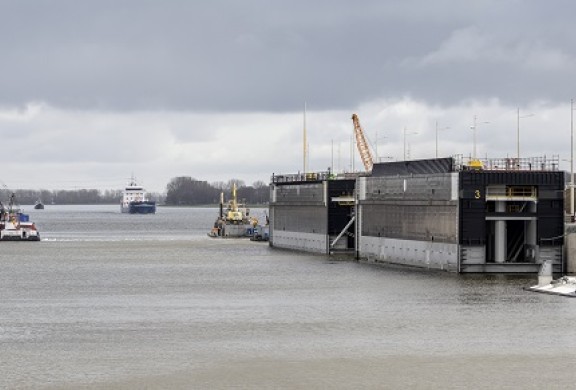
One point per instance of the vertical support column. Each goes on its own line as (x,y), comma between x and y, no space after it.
(359,196)
(532,235)
(326,199)
(532,227)
(500,244)
(357,228)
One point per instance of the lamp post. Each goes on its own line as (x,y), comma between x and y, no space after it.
(405,134)
(571,159)
(376,138)
(518,136)
(304,143)
(473,127)
(437,129)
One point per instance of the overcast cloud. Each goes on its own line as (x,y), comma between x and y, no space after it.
(93,91)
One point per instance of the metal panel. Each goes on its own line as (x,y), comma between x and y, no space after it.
(418,207)
(413,167)
(414,253)
(473,254)
(305,219)
(300,194)
(416,187)
(411,221)
(307,242)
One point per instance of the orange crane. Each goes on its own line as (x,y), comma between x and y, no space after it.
(362,145)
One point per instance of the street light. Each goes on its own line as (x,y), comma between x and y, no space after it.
(405,134)
(376,138)
(518,136)
(473,127)
(437,129)
(571,159)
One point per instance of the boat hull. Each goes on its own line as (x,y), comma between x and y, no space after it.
(144,207)
(19,237)
(232,231)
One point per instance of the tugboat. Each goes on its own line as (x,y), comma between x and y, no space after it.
(15,225)
(235,221)
(135,200)
(38,205)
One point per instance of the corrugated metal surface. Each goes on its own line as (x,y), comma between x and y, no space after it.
(417,187)
(418,207)
(305,219)
(415,167)
(411,221)
(297,194)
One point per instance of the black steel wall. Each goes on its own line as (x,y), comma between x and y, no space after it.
(550,211)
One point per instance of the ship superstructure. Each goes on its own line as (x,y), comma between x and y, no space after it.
(135,200)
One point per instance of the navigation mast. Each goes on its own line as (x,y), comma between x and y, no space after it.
(305,143)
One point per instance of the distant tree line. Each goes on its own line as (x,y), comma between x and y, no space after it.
(80,196)
(187,191)
(180,191)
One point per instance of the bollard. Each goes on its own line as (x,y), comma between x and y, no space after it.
(545,273)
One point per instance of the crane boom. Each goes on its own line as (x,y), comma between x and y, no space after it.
(362,145)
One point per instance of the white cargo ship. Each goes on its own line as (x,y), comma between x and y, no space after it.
(135,200)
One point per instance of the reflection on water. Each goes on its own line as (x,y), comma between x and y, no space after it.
(110,300)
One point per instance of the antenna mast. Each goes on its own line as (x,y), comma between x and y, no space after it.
(305,143)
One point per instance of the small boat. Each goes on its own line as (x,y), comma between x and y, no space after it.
(135,200)
(15,225)
(261,233)
(38,205)
(235,221)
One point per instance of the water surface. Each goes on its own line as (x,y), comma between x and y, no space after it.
(111,300)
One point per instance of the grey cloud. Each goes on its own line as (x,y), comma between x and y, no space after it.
(272,55)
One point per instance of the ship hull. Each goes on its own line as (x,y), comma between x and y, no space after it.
(19,237)
(232,231)
(145,207)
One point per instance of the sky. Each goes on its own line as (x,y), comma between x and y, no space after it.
(93,92)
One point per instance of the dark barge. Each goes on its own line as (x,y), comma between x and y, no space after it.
(492,216)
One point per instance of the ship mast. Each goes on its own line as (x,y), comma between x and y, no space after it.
(305,145)
(234,203)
